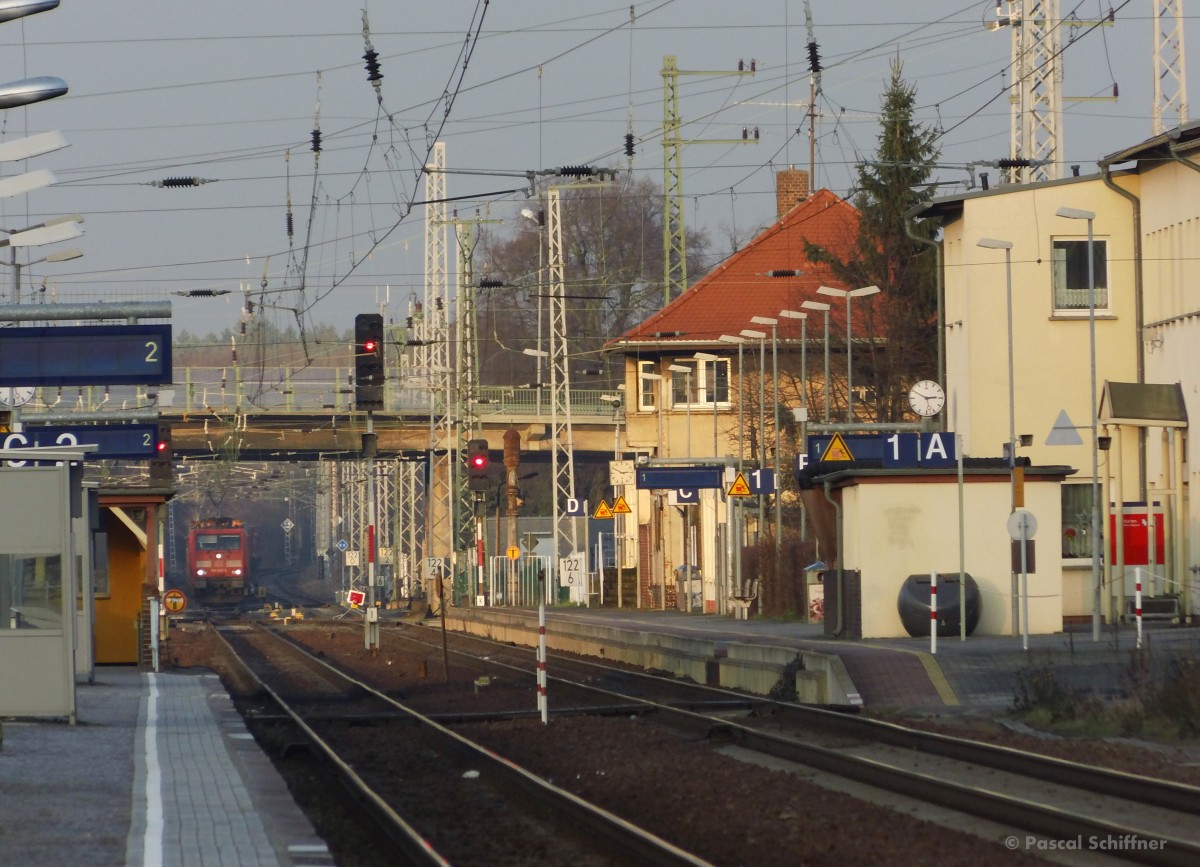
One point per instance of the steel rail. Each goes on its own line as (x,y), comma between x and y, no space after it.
(1040,818)
(615,835)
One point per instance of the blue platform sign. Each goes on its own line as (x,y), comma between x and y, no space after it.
(86,355)
(677,478)
(129,441)
(761,481)
(905,450)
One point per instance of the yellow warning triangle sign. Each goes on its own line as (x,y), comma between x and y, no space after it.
(739,488)
(620,507)
(837,450)
(603,510)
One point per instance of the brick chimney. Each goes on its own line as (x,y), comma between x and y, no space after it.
(791,188)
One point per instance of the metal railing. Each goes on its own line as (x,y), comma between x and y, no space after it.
(307,390)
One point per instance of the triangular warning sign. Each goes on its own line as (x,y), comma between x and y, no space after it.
(620,507)
(739,488)
(603,511)
(837,450)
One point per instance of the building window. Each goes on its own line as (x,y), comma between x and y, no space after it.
(1070,266)
(709,383)
(1077,521)
(647,388)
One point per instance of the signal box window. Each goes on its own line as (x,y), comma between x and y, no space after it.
(647,388)
(1069,261)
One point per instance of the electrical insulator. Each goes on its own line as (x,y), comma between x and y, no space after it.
(576,171)
(1009,163)
(371,56)
(179,182)
(487,283)
(745,133)
(628,144)
(290,225)
(756,133)
(741,66)
(316,141)
(814,58)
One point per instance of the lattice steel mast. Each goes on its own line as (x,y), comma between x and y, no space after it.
(1170,73)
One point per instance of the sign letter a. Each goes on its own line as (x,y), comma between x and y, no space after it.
(936,449)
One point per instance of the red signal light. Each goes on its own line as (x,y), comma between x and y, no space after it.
(161,446)
(369,346)
(478,461)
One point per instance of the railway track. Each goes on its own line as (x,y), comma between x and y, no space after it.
(438,797)
(1144,820)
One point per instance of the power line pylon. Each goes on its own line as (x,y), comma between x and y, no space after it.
(432,354)
(674,236)
(1036,100)
(1170,74)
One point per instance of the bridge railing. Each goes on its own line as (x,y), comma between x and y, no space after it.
(308,390)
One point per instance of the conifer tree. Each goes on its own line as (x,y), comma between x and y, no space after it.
(899,325)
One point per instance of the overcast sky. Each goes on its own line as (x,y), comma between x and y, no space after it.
(227,91)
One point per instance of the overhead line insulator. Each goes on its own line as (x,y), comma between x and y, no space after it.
(316,141)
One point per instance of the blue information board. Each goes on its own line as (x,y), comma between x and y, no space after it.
(86,355)
(904,450)
(129,441)
(677,478)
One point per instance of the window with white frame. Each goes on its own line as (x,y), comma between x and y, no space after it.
(709,383)
(1077,521)
(1069,263)
(647,388)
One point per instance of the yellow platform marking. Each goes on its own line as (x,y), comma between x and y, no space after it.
(837,450)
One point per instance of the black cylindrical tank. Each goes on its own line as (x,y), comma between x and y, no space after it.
(913,604)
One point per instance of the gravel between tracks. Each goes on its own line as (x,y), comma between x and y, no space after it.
(682,789)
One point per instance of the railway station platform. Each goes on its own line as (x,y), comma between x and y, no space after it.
(158,770)
(979,674)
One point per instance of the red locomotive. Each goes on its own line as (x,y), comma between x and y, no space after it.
(219,559)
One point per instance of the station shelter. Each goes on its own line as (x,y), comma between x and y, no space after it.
(877,527)
(127,553)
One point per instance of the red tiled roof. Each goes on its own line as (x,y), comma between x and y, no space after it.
(723,301)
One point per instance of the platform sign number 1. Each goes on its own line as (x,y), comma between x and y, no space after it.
(570,570)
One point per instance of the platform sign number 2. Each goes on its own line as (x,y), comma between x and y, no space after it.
(570,570)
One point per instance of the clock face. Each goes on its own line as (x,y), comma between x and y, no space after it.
(926,398)
(17,395)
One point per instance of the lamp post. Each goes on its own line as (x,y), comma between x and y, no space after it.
(1090,216)
(658,402)
(736,550)
(51,231)
(823,307)
(1006,246)
(618,519)
(762,399)
(707,358)
(803,317)
(687,373)
(849,294)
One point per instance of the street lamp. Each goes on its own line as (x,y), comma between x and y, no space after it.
(1006,246)
(736,549)
(803,317)
(687,372)
(740,341)
(822,306)
(63,228)
(762,433)
(658,402)
(618,519)
(707,358)
(848,294)
(1090,216)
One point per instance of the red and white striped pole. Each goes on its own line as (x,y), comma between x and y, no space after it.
(542,702)
(1137,603)
(933,612)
